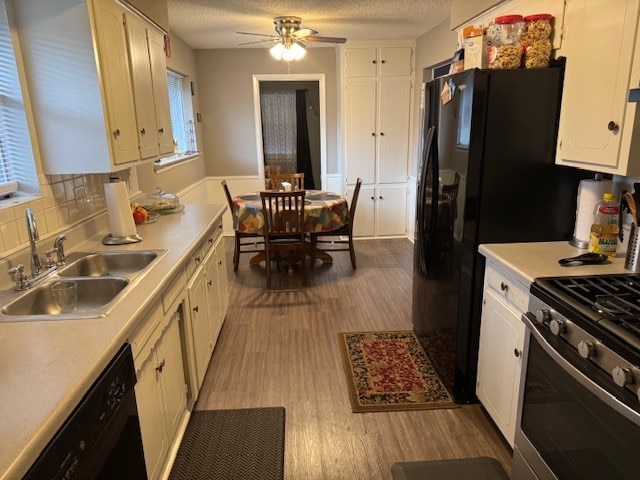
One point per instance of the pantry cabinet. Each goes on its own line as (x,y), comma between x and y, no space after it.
(160,391)
(97,84)
(598,127)
(502,335)
(377,98)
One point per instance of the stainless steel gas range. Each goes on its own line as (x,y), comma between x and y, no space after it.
(579,411)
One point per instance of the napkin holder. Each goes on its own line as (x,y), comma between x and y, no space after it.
(286,186)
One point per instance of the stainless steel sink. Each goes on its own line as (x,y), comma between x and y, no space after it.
(94,297)
(103,264)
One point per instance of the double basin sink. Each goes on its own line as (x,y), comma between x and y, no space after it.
(101,279)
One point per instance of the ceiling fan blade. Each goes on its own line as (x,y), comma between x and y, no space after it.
(268,40)
(258,34)
(303,32)
(324,39)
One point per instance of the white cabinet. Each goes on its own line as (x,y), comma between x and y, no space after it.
(377,93)
(208,300)
(370,61)
(502,335)
(598,128)
(381,210)
(161,387)
(99,89)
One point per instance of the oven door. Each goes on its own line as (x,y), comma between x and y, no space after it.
(573,421)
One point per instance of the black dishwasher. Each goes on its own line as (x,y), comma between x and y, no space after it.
(101,439)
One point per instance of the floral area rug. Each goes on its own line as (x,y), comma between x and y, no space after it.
(390,371)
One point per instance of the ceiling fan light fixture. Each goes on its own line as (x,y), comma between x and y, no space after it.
(288,51)
(276,51)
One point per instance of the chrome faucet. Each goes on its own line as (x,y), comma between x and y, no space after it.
(32,229)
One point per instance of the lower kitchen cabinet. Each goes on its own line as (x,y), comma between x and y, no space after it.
(161,392)
(200,323)
(501,344)
(381,210)
(223,282)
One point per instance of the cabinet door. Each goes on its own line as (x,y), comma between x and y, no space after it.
(151,414)
(391,208)
(395,61)
(142,87)
(501,335)
(364,223)
(360,135)
(213,296)
(160,92)
(599,57)
(116,81)
(174,390)
(360,62)
(200,324)
(223,280)
(393,130)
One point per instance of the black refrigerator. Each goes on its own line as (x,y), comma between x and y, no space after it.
(486,175)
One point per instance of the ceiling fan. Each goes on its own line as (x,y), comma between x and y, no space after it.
(290,38)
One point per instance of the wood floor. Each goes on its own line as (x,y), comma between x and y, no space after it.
(281,349)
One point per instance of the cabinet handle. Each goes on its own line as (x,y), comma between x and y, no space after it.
(197,260)
(160,366)
(195,309)
(383,61)
(161,130)
(382,134)
(504,287)
(374,62)
(517,352)
(116,133)
(210,241)
(210,282)
(373,198)
(380,197)
(220,262)
(612,126)
(373,134)
(143,131)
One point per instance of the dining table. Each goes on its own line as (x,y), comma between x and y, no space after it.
(323,211)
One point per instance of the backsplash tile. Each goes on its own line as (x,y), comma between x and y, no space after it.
(65,200)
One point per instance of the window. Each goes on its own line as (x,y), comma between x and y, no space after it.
(182,124)
(17,167)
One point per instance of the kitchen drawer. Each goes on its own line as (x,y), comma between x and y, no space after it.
(507,287)
(140,344)
(173,291)
(212,236)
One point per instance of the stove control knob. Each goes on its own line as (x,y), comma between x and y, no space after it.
(543,315)
(558,326)
(622,376)
(587,349)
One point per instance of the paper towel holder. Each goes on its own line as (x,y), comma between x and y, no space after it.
(110,240)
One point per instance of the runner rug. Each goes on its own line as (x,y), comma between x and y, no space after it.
(390,371)
(243,444)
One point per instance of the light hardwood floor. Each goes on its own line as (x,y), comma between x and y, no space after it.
(281,349)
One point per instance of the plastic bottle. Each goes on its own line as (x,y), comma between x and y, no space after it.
(604,231)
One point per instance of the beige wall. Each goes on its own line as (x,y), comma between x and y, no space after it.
(173,180)
(464,10)
(227,104)
(432,48)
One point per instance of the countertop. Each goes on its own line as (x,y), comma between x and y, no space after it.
(47,366)
(527,261)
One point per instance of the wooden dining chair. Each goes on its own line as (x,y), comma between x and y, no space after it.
(242,247)
(284,231)
(344,231)
(295,179)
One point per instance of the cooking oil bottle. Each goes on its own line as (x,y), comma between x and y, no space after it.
(604,231)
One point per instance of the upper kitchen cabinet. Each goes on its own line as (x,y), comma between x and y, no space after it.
(92,70)
(598,127)
(378,61)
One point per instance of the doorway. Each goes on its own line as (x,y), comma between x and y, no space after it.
(290,126)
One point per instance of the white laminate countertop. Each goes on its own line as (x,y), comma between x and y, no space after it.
(527,261)
(47,366)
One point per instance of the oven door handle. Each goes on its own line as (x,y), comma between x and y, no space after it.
(594,388)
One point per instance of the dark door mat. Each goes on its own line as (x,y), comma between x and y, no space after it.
(242,444)
(481,468)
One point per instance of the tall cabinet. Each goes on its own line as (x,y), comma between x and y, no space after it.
(377,84)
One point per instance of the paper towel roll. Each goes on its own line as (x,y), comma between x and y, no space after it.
(119,210)
(589,197)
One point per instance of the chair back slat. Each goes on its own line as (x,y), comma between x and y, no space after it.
(283,212)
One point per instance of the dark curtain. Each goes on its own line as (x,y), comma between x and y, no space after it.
(302,134)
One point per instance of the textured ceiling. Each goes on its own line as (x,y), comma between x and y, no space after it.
(213,23)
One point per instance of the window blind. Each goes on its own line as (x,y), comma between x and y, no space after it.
(181,113)
(16,155)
